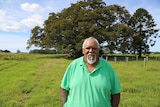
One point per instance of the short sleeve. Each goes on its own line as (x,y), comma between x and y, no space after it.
(116,87)
(65,83)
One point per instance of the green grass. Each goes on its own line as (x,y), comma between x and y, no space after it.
(140,85)
(34,81)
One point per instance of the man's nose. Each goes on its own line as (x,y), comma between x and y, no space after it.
(90,49)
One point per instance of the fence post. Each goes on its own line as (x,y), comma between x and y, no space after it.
(144,63)
(115,59)
(137,57)
(146,58)
(126,60)
(107,58)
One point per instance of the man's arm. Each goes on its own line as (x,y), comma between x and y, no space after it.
(63,95)
(115,99)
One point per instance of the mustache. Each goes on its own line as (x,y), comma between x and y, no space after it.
(93,54)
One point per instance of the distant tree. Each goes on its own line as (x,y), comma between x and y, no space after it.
(18,51)
(119,34)
(37,37)
(6,51)
(124,38)
(40,51)
(145,33)
(91,0)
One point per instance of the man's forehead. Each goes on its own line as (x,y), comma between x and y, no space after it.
(91,40)
(91,43)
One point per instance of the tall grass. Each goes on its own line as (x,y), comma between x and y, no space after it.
(34,81)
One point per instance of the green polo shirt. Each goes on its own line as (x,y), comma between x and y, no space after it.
(90,89)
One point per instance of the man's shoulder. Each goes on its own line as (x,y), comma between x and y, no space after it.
(103,60)
(78,60)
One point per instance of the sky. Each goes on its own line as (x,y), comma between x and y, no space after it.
(19,17)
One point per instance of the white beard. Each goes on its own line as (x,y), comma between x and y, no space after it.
(91,58)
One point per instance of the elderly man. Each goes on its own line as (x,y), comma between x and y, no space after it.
(90,81)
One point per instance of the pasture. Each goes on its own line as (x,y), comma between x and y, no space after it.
(34,81)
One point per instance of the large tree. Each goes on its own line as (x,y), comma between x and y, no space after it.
(119,34)
(144,27)
(65,31)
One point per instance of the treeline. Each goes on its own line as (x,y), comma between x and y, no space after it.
(40,51)
(6,51)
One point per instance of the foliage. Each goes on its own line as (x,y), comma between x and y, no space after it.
(143,25)
(113,24)
(5,51)
(39,51)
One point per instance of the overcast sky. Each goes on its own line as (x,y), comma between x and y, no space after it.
(18,17)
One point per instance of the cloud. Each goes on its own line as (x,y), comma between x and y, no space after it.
(14,27)
(31,7)
(8,24)
(2,13)
(34,20)
(3,16)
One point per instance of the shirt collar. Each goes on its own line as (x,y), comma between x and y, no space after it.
(82,63)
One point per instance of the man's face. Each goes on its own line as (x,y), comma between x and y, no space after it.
(90,51)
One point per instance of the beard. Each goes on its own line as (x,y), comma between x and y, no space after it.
(91,58)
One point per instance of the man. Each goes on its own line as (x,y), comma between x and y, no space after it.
(90,81)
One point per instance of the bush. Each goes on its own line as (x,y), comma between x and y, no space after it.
(43,51)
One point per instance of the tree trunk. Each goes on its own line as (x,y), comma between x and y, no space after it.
(140,51)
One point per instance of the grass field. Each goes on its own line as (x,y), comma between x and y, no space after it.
(34,81)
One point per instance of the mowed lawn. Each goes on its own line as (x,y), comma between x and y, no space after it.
(34,81)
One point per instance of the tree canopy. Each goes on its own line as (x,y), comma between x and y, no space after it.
(114,25)
(144,33)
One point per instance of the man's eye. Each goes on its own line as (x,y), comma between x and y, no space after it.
(94,48)
(91,48)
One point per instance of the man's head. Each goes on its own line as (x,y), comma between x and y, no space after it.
(90,50)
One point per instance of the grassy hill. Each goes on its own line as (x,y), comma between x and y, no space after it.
(34,81)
